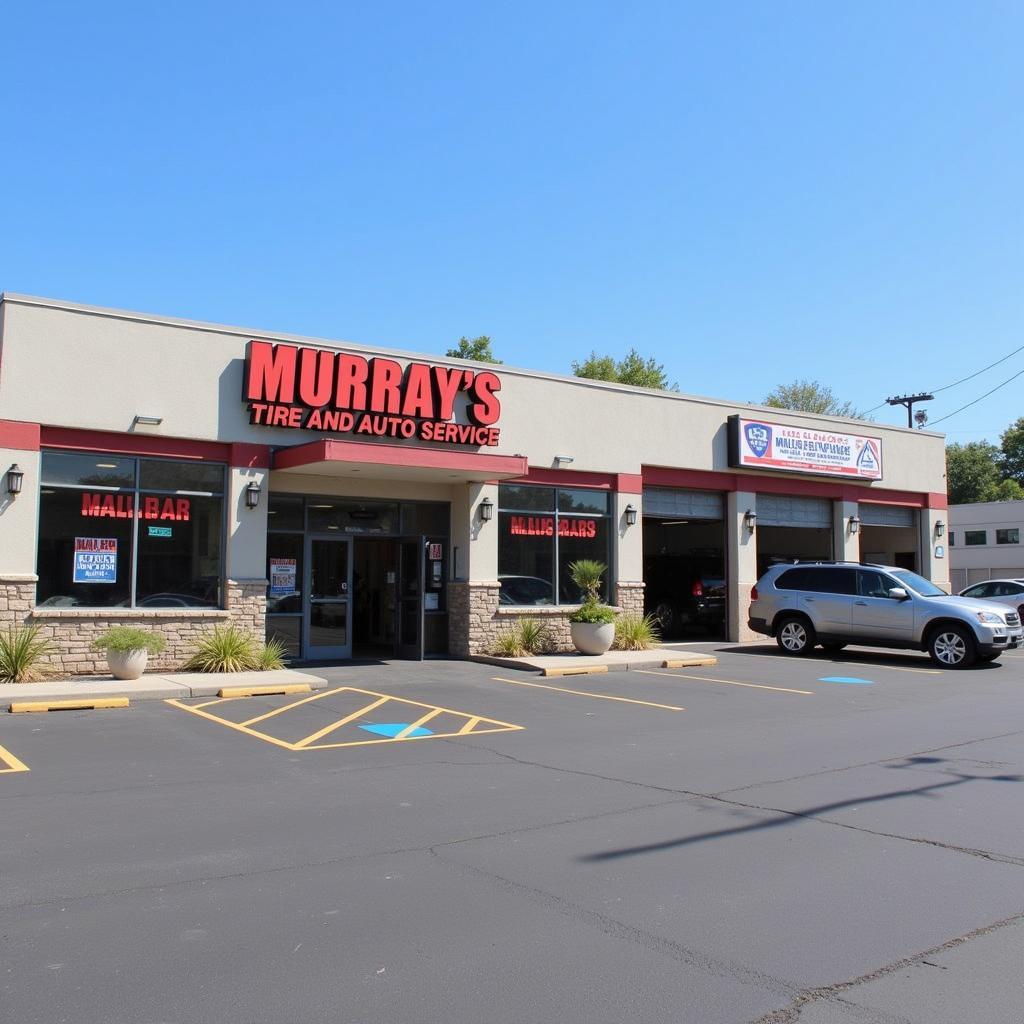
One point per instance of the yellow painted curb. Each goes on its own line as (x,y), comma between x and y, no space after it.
(83,704)
(263,691)
(703,662)
(583,670)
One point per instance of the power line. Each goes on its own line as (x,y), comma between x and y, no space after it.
(978,374)
(962,380)
(977,400)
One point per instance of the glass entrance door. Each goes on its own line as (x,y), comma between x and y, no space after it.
(328,610)
(411,556)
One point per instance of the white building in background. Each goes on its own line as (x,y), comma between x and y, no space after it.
(985,542)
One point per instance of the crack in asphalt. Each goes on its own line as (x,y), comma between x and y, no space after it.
(791,1013)
(620,930)
(690,795)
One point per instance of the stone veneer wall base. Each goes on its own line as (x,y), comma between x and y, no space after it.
(72,630)
(475,618)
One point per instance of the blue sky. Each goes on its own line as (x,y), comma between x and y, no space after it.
(750,192)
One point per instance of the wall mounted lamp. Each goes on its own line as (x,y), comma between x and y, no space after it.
(147,421)
(750,520)
(486,510)
(631,515)
(854,524)
(252,494)
(15,478)
(564,460)
(940,528)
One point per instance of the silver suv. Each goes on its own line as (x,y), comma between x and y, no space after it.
(840,603)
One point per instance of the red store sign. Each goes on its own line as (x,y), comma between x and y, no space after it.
(122,506)
(544,526)
(316,389)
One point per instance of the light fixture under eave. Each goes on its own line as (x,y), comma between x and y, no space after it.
(750,520)
(486,510)
(252,494)
(854,524)
(147,421)
(940,527)
(15,479)
(631,514)
(564,460)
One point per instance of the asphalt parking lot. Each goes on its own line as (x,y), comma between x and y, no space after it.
(771,840)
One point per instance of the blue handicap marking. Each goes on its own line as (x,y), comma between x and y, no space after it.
(392,729)
(851,680)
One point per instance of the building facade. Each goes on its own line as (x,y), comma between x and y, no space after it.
(985,542)
(348,500)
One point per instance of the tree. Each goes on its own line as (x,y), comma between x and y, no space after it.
(810,396)
(477,349)
(971,472)
(631,369)
(1011,459)
(1005,490)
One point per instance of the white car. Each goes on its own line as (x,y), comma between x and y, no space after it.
(1009,592)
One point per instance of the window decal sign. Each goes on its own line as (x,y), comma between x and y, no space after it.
(762,444)
(95,560)
(282,576)
(544,526)
(345,393)
(122,506)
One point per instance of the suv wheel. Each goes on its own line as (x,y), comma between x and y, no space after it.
(795,635)
(664,613)
(952,647)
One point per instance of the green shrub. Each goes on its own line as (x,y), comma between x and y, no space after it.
(587,574)
(596,613)
(634,632)
(129,638)
(226,649)
(21,651)
(270,656)
(509,643)
(524,636)
(534,635)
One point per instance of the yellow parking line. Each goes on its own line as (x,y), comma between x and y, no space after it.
(287,707)
(730,682)
(417,724)
(847,661)
(230,725)
(503,727)
(469,726)
(584,693)
(13,764)
(337,725)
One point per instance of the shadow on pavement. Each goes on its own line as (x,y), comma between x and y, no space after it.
(856,656)
(792,817)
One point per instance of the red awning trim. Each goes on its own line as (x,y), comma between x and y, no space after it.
(398,455)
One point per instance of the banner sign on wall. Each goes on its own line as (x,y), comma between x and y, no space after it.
(340,392)
(95,560)
(282,576)
(761,444)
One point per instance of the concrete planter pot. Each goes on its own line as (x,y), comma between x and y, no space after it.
(592,637)
(127,664)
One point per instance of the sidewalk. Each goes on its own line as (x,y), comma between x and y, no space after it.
(152,686)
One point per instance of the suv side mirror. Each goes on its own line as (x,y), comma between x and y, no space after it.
(898,594)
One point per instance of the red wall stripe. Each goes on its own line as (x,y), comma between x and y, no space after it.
(246,456)
(21,436)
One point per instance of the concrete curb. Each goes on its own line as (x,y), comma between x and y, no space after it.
(152,686)
(613,661)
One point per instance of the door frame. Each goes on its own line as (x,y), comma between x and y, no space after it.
(411,605)
(322,653)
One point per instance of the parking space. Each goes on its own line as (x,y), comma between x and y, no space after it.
(343,716)
(731,838)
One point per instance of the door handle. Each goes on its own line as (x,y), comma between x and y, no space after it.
(861,602)
(809,600)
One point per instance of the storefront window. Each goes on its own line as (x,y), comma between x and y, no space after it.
(105,542)
(542,530)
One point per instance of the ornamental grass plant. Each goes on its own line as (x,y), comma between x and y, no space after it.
(635,632)
(22,651)
(230,649)
(129,638)
(522,637)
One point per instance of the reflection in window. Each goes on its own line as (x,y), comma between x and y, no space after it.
(537,543)
(92,513)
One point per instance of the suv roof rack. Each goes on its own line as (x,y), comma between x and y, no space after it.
(831,561)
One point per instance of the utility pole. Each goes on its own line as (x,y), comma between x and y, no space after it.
(909,401)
